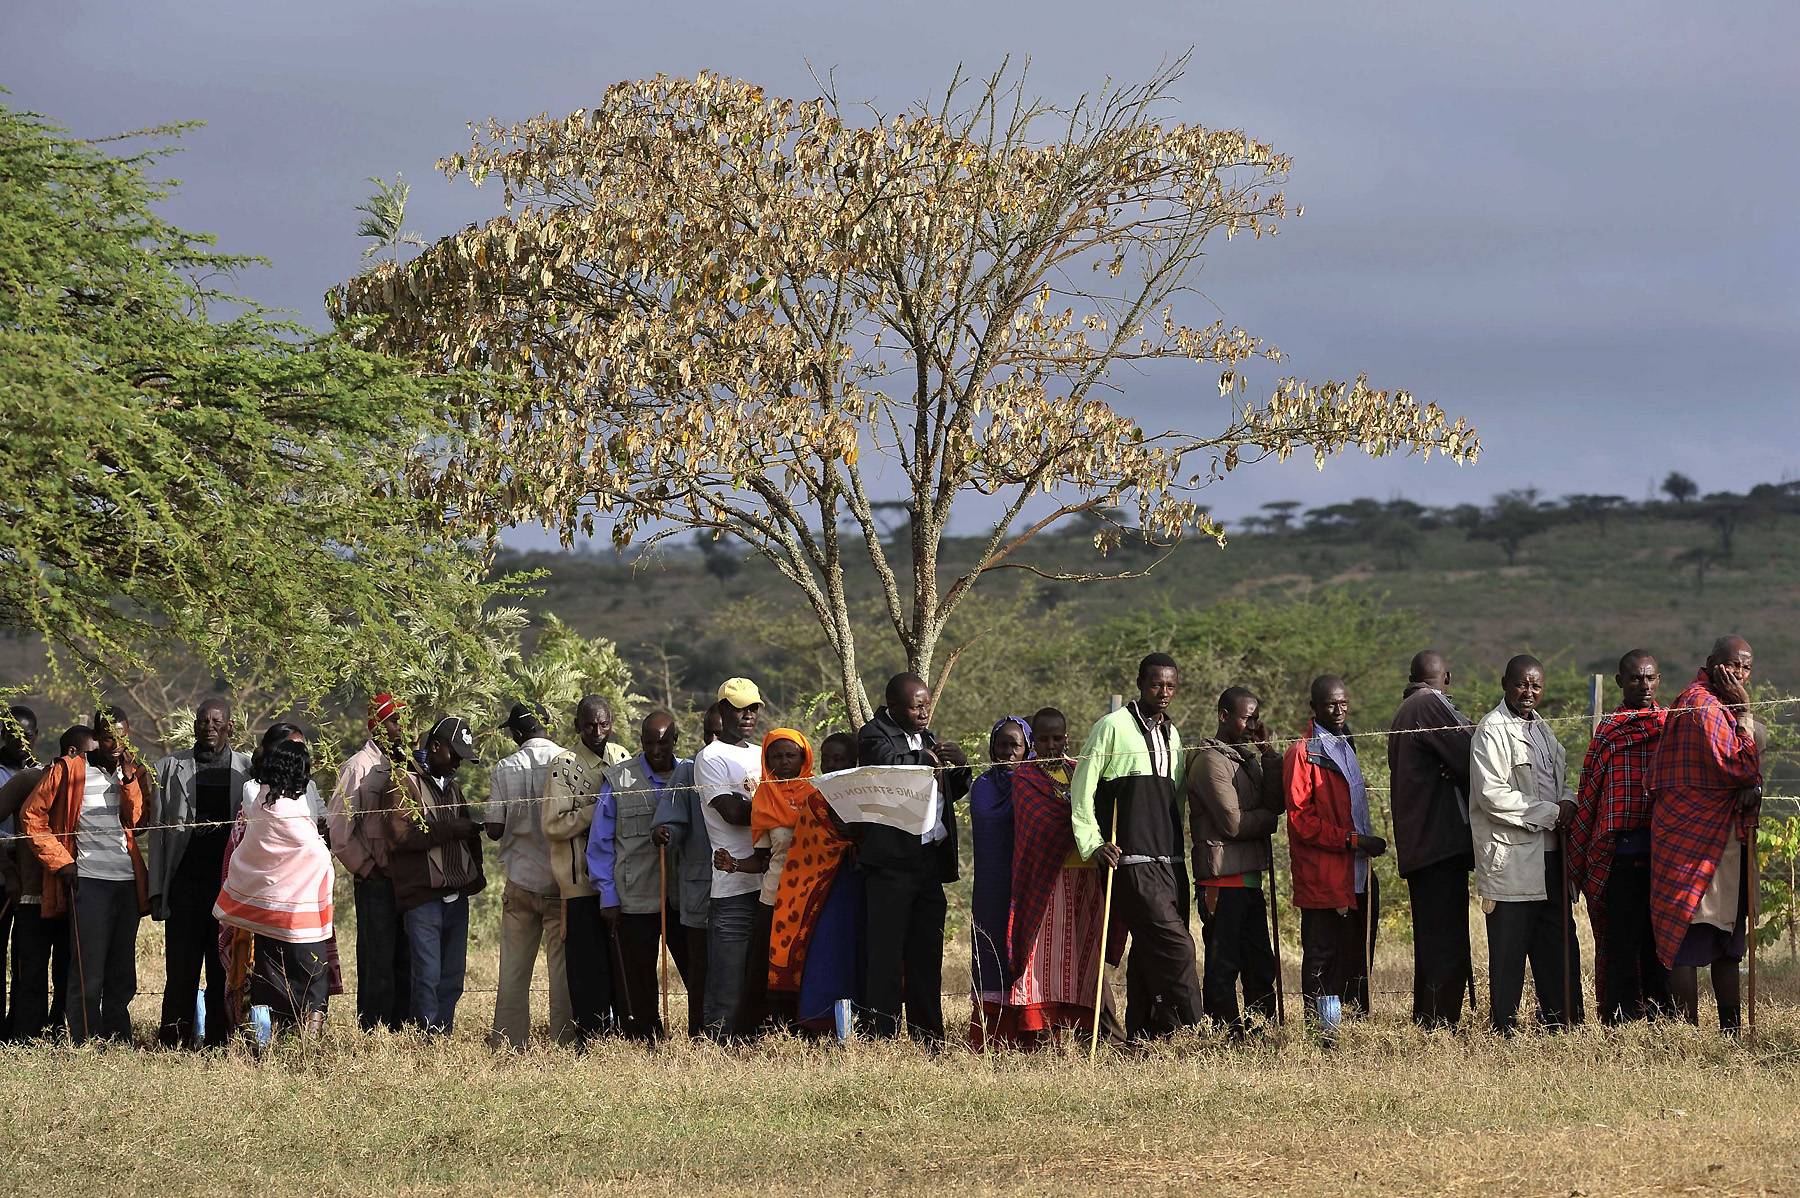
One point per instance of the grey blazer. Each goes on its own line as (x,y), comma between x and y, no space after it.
(175,805)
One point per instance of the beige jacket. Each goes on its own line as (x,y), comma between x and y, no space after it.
(1512,825)
(568,813)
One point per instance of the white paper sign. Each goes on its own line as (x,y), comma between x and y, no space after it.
(895,796)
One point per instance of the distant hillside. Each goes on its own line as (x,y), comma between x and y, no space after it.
(1583,585)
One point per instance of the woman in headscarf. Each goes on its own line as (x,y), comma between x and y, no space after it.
(278,884)
(774,809)
(816,938)
(991,827)
(1054,941)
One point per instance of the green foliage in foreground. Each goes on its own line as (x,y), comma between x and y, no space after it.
(174,479)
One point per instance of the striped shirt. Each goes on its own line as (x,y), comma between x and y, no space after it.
(100,851)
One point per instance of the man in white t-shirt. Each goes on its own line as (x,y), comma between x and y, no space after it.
(725,776)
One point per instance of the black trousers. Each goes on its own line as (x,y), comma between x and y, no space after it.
(383,957)
(1439,896)
(1636,984)
(103,971)
(905,944)
(1236,936)
(191,949)
(692,964)
(40,969)
(1534,932)
(1334,955)
(588,962)
(639,947)
(1162,981)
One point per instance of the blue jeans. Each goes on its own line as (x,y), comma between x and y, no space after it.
(727,949)
(439,935)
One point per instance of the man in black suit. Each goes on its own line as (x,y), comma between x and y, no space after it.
(906,873)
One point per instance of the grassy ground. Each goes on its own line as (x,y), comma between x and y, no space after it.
(1393,1111)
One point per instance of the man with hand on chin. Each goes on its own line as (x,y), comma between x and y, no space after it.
(1706,795)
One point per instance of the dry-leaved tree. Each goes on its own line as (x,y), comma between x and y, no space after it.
(762,316)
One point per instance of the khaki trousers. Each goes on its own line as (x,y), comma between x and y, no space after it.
(526,920)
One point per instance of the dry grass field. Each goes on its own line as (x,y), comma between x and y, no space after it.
(1393,1111)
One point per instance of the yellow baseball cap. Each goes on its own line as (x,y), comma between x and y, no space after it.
(740,692)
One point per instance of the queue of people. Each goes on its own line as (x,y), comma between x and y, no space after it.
(779,914)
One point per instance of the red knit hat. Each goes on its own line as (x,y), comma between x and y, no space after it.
(382,708)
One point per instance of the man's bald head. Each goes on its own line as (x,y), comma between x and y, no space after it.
(656,737)
(1728,649)
(1517,666)
(1430,668)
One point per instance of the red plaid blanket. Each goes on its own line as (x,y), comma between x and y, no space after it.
(1701,764)
(1043,838)
(1614,794)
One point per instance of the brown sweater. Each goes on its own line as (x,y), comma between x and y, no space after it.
(434,842)
(1234,805)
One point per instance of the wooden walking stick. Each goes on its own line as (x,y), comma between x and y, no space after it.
(1755,872)
(80,968)
(1105,920)
(1275,936)
(1568,914)
(1369,943)
(662,888)
(1112,838)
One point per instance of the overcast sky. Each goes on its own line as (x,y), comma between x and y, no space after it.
(1573,223)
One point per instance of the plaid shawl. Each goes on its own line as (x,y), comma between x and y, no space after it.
(1701,764)
(1043,839)
(1614,794)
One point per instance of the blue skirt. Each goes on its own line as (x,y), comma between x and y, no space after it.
(834,956)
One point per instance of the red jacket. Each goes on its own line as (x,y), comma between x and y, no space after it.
(1319,829)
(51,813)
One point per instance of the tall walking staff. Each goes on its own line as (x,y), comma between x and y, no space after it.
(1118,701)
(1369,943)
(80,969)
(662,888)
(1568,964)
(1275,935)
(1751,917)
(1596,709)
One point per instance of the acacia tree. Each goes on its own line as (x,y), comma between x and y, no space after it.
(763,316)
(230,492)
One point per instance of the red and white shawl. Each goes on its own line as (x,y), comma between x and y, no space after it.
(278,881)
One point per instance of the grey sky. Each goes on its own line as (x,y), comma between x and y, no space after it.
(1572,223)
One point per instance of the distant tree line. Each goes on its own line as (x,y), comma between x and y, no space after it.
(1513,517)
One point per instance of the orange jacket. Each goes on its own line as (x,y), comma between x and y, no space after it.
(49,817)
